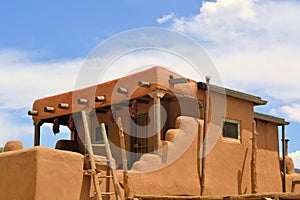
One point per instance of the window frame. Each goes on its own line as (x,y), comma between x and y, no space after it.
(233,121)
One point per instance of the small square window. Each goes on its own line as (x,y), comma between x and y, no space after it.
(231,129)
(98,134)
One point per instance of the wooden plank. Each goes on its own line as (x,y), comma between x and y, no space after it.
(233,197)
(124,159)
(296,182)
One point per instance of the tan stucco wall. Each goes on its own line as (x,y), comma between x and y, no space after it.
(228,164)
(268,167)
(40,173)
(289,179)
(290,174)
(178,178)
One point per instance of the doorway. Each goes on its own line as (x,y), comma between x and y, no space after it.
(139,138)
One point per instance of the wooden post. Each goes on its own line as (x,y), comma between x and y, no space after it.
(253,159)
(124,159)
(37,132)
(157,95)
(206,110)
(283,159)
(286,146)
(157,124)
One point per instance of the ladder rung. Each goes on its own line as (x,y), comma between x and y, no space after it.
(102,160)
(102,176)
(108,193)
(98,145)
(90,172)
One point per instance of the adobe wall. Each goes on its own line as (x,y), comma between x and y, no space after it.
(183,107)
(228,164)
(268,167)
(178,178)
(40,173)
(291,175)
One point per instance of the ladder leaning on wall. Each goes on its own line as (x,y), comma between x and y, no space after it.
(95,175)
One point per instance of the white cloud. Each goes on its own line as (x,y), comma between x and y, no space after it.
(292,112)
(23,80)
(229,7)
(273,72)
(11,128)
(296,158)
(165,18)
(244,24)
(254,43)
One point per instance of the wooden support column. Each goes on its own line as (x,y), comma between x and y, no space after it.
(157,95)
(205,128)
(253,159)
(286,147)
(283,159)
(37,132)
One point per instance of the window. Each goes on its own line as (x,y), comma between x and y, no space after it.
(98,134)
(231,129)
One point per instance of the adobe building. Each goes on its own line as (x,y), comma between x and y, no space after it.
(182,137)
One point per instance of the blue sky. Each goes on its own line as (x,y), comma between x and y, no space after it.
(253,43)
(72,29)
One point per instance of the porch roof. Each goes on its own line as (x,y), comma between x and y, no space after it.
(158,77)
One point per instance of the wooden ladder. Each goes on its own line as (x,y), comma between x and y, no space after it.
(92,171)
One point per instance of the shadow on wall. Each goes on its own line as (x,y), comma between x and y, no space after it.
(240,175)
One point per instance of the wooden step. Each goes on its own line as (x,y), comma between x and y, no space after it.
(103,176)
(90,172)
(107,193)
(98,145)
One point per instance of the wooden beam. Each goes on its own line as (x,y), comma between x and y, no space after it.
(253,159)
(283,159)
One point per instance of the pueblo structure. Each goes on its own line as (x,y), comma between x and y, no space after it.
(168,136)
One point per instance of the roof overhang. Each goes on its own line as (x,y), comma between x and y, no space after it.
(269,118)
(233,93)
(159,79)
(138,85)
